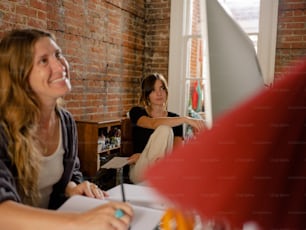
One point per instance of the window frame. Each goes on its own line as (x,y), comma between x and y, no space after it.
(177,69)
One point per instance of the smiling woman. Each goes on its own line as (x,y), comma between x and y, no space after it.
(49,76)
(49,80)
(39,166)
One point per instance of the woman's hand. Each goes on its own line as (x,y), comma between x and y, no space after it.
(134,158)
(85,188)
(104,217)
(197,124)
(108,215)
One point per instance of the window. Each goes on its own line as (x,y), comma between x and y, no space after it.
(246,14)
(188,86)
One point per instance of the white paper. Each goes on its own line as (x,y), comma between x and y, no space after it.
(116,163)
(139,195)
(144,218)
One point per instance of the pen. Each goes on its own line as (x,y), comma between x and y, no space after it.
(122,189)
(122,186)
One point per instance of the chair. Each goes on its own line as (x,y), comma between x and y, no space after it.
(126,148)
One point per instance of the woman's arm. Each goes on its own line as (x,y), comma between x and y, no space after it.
(15,216)
(153,123)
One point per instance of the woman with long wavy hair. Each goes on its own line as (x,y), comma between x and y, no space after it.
(39,167)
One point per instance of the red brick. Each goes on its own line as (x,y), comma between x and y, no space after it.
(112,44)
(291,44)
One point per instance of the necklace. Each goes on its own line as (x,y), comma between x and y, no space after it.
(48,136)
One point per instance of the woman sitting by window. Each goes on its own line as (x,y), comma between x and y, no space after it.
(155,130)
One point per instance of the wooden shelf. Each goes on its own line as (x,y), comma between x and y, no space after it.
(88,135)
(109,149)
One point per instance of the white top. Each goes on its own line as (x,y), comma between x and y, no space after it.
(52,169)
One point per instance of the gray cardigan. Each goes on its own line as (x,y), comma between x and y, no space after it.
(71,164)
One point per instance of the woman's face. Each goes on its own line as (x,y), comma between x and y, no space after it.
(49,77)
(159,95)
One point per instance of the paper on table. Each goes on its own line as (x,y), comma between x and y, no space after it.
(116,163)
(139,195)
(144,218)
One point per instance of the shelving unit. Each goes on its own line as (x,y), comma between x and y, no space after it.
(91,154)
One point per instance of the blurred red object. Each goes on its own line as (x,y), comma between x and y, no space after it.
(251,166)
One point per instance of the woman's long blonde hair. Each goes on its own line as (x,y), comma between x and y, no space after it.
(20,108)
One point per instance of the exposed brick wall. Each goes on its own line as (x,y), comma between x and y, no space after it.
(291,34)
(103,41)
(108,38)
(157,36)
(112,44)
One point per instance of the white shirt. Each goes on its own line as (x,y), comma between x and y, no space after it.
(51,171)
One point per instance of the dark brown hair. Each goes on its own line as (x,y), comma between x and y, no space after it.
(147,86)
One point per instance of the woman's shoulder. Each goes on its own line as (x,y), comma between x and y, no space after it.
(3,137)
(137,110)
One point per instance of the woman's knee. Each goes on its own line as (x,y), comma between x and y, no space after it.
(162,138)
(164,130)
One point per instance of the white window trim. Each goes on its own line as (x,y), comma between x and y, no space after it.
(177,62)
(177,52)
(267,38)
